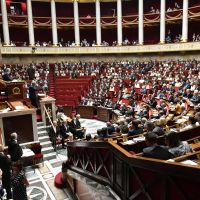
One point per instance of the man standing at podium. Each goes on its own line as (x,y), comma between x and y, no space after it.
(33,94)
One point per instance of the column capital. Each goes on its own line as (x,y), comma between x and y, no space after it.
(75,0)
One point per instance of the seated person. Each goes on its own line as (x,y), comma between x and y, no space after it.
(154,150)
(60,114)
(88,137)
(143,112)
(159,127)
(102,133)
(64,132)
(190,124)
(197,116)
(196,97)
(149,126)
(177,147)
(117,131)
(152,102)
(75,127)
(134,128)
(111,128)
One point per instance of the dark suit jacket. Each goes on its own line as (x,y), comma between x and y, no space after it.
(52,134)
(6,77)
(5,166)
(14,150)
(75,124)
(75,128)
(158,152)
(31,73)
(111,129)
(64,130)
(33,96)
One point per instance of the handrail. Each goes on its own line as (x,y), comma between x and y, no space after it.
(49,118)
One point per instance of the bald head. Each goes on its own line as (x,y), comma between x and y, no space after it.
(13,136)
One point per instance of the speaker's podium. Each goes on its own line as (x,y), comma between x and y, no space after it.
(16,115)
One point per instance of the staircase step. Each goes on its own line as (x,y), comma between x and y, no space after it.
(46,144)
(41,128)
(43,138)
(42,133)
(50,156)
(40,124)
(47,150)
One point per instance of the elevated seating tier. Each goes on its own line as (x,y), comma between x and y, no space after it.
(70,91)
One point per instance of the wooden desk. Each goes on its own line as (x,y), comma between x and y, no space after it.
(115,116)
(103,113)
(18,105)
(86,111)
(195,146)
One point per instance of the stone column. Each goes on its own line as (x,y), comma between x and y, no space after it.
(185,21)
(54,23)
(140,23)
(6,35)
(162,21)
(119,22)
(76,23)
(30,24)
(98,23)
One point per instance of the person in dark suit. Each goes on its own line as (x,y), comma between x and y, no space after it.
(5,166)
(154,150)
(110,128)
(64,132)
(6,76)
(31,72)
(134,128)
(75,127)
(14,149)
(33,94)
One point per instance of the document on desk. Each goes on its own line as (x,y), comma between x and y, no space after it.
(129,142)
(139,139)
(189,162)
